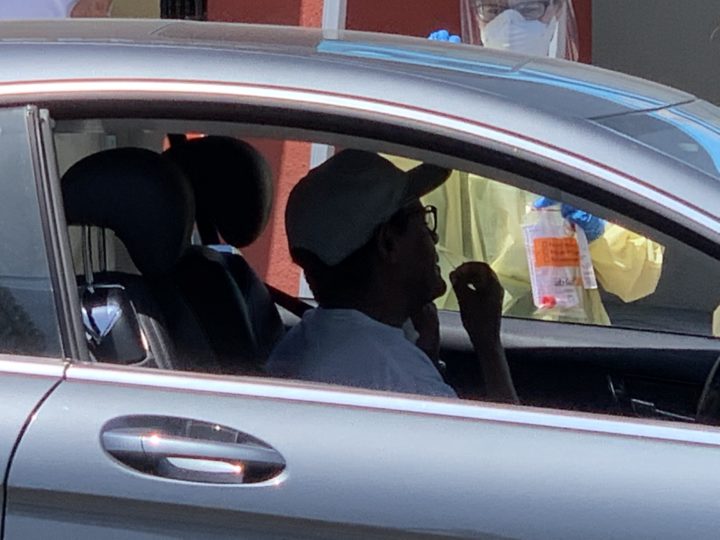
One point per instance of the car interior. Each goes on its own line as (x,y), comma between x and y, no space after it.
(158,221)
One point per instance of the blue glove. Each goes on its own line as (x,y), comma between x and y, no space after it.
(444,35)
(594,227)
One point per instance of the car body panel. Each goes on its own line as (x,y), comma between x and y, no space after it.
(361,464)
(25,382)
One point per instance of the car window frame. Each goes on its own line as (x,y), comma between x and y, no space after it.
(57,242)
(36,190)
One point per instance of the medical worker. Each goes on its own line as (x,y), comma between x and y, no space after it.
(481,219)
(53,9)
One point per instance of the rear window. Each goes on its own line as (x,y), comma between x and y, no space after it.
(690,133)
(28,318)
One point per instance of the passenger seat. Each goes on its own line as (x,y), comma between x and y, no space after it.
(148,203)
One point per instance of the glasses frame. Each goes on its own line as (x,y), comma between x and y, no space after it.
(479,5)
(430,214)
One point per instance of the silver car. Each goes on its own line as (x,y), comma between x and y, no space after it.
(125,413)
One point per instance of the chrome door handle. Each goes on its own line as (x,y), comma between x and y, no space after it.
(184,449)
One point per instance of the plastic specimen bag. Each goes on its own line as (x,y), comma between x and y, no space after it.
(559,261)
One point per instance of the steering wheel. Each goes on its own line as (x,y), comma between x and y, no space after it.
(708,411)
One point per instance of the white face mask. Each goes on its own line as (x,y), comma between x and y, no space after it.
(511,31)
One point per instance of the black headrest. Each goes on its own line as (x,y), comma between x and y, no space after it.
(141,196)
(232,183)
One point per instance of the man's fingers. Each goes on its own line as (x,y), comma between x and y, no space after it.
(476,274)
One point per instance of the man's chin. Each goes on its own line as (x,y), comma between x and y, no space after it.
(439,289)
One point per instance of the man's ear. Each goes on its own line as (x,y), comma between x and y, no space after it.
(387,243)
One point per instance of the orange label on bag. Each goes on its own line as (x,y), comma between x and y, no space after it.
(556,252)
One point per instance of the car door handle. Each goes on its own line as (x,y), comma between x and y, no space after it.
(182,457)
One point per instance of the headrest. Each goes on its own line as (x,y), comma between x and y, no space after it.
(141,196)
(232,183)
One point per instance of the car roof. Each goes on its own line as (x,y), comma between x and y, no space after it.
(590,92)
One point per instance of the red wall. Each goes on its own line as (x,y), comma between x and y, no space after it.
(290,161)
(269,255)
(412,18)
(583,12)
(290,12)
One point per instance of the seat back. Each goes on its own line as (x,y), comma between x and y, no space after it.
(147,202)
(233,191)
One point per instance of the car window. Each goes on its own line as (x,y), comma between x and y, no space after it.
(571,346)
(558,262)
(28,318)
(627,279)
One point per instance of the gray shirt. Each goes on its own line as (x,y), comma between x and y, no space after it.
(346,347)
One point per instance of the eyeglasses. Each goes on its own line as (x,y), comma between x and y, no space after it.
(430,215)
(532,11)
(431,218)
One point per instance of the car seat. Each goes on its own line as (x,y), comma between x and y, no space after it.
(233,192)
(148,203)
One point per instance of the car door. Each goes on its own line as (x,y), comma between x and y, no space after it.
(31,349)
(344,464)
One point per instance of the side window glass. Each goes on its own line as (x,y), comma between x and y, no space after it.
(561,263)
(28,318)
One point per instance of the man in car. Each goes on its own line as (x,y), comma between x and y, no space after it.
(356,226)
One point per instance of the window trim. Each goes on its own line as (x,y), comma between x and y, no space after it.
(57,248)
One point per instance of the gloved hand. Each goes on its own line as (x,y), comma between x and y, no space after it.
(444,35)
(594,227)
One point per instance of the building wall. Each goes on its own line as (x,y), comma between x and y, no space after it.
(667,41)
(395,17)
(291,12)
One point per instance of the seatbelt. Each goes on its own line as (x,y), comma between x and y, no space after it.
(292,304)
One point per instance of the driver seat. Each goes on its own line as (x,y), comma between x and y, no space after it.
(233,192)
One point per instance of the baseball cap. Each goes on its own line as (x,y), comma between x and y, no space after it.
(336,207)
